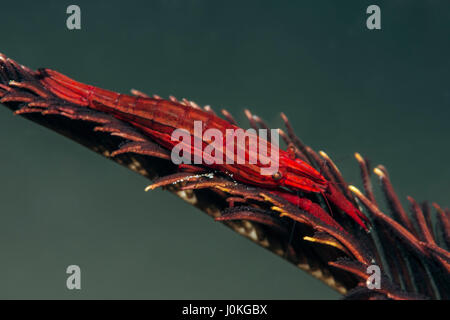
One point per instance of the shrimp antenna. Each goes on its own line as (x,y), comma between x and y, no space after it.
(326,201)
(323,164)
(291,235)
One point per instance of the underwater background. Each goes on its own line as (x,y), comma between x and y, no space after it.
(384,93)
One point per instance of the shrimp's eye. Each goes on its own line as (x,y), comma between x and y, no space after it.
(277,176)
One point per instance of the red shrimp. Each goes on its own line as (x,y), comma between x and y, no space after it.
(158,118)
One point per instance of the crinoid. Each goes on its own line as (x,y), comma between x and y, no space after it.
(409,251)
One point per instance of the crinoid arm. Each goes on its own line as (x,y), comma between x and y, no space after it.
(411,251)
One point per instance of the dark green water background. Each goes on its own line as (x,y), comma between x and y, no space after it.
(383,93)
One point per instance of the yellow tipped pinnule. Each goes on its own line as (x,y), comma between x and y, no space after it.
(324,241)
(327,158)
(378,172)
(278,209)
(354,189)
